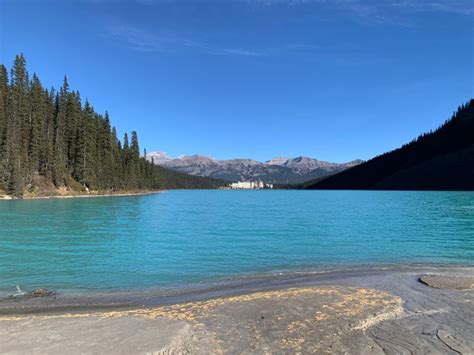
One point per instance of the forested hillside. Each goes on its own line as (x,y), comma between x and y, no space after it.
(439,160)
(52,139)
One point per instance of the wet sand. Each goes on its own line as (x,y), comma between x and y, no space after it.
(358,312)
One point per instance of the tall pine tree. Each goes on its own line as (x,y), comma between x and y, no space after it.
(49,138)
(3,121)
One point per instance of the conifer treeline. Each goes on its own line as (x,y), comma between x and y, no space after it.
(442,159)
(52,136)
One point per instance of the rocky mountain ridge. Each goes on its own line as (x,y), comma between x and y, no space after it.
(279,170)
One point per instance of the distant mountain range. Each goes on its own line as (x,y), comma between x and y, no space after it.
(439,160)
(277,170)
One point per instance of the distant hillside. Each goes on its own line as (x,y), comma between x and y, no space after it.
(277,171)
(439,160)
(171,179)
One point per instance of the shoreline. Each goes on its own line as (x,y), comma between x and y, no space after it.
(90,195)
(374,312)
(99,300)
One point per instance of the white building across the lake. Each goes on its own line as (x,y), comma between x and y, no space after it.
(250,185)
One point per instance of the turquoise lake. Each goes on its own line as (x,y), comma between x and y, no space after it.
(185,237)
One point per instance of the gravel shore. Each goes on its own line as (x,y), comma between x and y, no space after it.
(413,310)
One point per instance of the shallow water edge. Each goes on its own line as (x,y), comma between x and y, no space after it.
(361,276)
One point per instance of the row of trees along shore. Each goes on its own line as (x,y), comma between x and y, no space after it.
(52,138)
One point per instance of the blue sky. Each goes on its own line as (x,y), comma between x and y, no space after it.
(335,80)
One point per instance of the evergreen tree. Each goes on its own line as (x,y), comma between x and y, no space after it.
(36,147)
(126,146)
(49,136)
(134,145)
(72,118)
(46,168)
(106,152)
(16,158)
(3,120)
(59,154)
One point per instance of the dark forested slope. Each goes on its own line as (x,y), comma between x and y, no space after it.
(439,160)
(51,140)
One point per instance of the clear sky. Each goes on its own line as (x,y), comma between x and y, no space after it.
(336,80)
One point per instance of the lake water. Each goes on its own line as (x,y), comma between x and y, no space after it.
(187,237)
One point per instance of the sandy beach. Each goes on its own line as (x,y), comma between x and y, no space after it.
(377,311)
